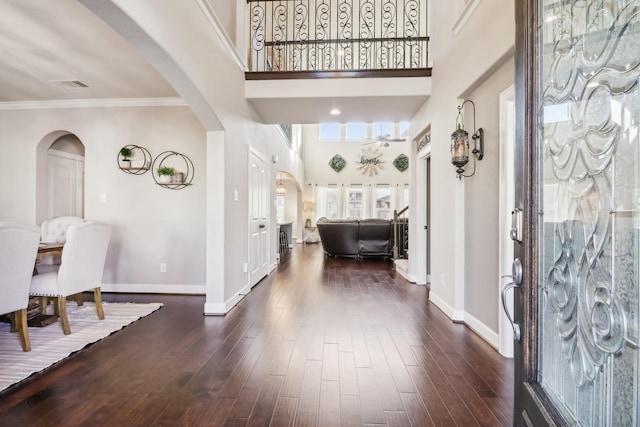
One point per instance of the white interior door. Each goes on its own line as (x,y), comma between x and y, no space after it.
(65,184)
(259,219)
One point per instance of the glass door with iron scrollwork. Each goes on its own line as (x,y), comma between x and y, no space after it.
(588,209)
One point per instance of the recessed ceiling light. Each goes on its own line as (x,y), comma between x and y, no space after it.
(335,112)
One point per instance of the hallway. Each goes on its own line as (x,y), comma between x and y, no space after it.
(319,342)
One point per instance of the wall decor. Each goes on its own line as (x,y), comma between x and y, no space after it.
(401,163)
(173,170)
(133,159)
(370,161)
(337,163)
(424,141)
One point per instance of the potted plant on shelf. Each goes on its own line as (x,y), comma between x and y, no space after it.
(126,152)
(165,174)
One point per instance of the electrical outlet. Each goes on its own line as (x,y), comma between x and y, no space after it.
(442,280)
(163,267)
(245,267)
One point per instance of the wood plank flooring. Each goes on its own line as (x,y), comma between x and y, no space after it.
(320,342)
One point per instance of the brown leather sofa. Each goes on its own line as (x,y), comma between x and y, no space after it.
(356,238)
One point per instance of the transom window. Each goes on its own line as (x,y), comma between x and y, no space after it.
(357,131)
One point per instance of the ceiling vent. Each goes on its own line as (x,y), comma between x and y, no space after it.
(70,84)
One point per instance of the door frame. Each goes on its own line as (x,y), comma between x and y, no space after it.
(418,214)
(506,204)
(532,406)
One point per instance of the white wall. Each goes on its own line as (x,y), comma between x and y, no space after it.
(482,203)
(317,155)
(476,64)
(199,63)
(150,224)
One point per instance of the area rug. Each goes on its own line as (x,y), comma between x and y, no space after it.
(49,345)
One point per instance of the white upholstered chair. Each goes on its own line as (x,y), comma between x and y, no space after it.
(80,270)
(54,230)
(18,250)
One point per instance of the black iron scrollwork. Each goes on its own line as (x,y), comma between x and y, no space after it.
(327,35)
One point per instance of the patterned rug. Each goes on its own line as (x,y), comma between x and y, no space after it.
(49,345)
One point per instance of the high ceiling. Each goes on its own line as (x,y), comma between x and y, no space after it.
(43,42)
(50,49)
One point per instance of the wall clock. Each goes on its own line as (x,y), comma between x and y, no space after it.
(370,161)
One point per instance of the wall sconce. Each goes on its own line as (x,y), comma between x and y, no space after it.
(460,143)
(280,188)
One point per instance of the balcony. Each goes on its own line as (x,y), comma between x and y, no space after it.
(337,38)
(370,58)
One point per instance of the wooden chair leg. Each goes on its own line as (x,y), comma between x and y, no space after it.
(12,318)
(43,303)
(21,324)
(97,296)
(61,304)
(78,298)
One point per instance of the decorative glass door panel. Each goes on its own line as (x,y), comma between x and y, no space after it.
(589,199)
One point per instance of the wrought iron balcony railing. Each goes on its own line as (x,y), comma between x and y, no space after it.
(338,35)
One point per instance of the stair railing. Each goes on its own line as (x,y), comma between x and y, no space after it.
(400,229)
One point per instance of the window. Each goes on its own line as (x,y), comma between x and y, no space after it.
(358,201)
(381,129)
(355,203)
(405,197)
(356,130)
(403,127)
(329,131)
(383,206)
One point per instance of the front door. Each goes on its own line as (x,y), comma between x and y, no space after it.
(259,219)
(578,185)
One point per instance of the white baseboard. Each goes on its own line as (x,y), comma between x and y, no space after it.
(220,309)
(450,312)
(136,288)
(411,278)
(483,331)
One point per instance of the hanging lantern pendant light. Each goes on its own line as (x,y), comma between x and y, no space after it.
(460,143)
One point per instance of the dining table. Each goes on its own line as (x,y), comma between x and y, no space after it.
(49,247)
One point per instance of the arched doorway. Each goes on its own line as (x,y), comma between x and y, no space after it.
(60,176)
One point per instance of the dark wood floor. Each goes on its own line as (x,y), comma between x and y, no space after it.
(321,342)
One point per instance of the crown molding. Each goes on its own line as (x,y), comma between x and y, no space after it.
(93,103)
(217,26)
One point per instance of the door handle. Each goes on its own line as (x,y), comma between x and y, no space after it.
(261,226)
(514,326)
(516,281)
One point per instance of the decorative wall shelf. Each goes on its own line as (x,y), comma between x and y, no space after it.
(138,166)
(183,166)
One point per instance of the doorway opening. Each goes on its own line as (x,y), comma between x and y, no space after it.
(60,167)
